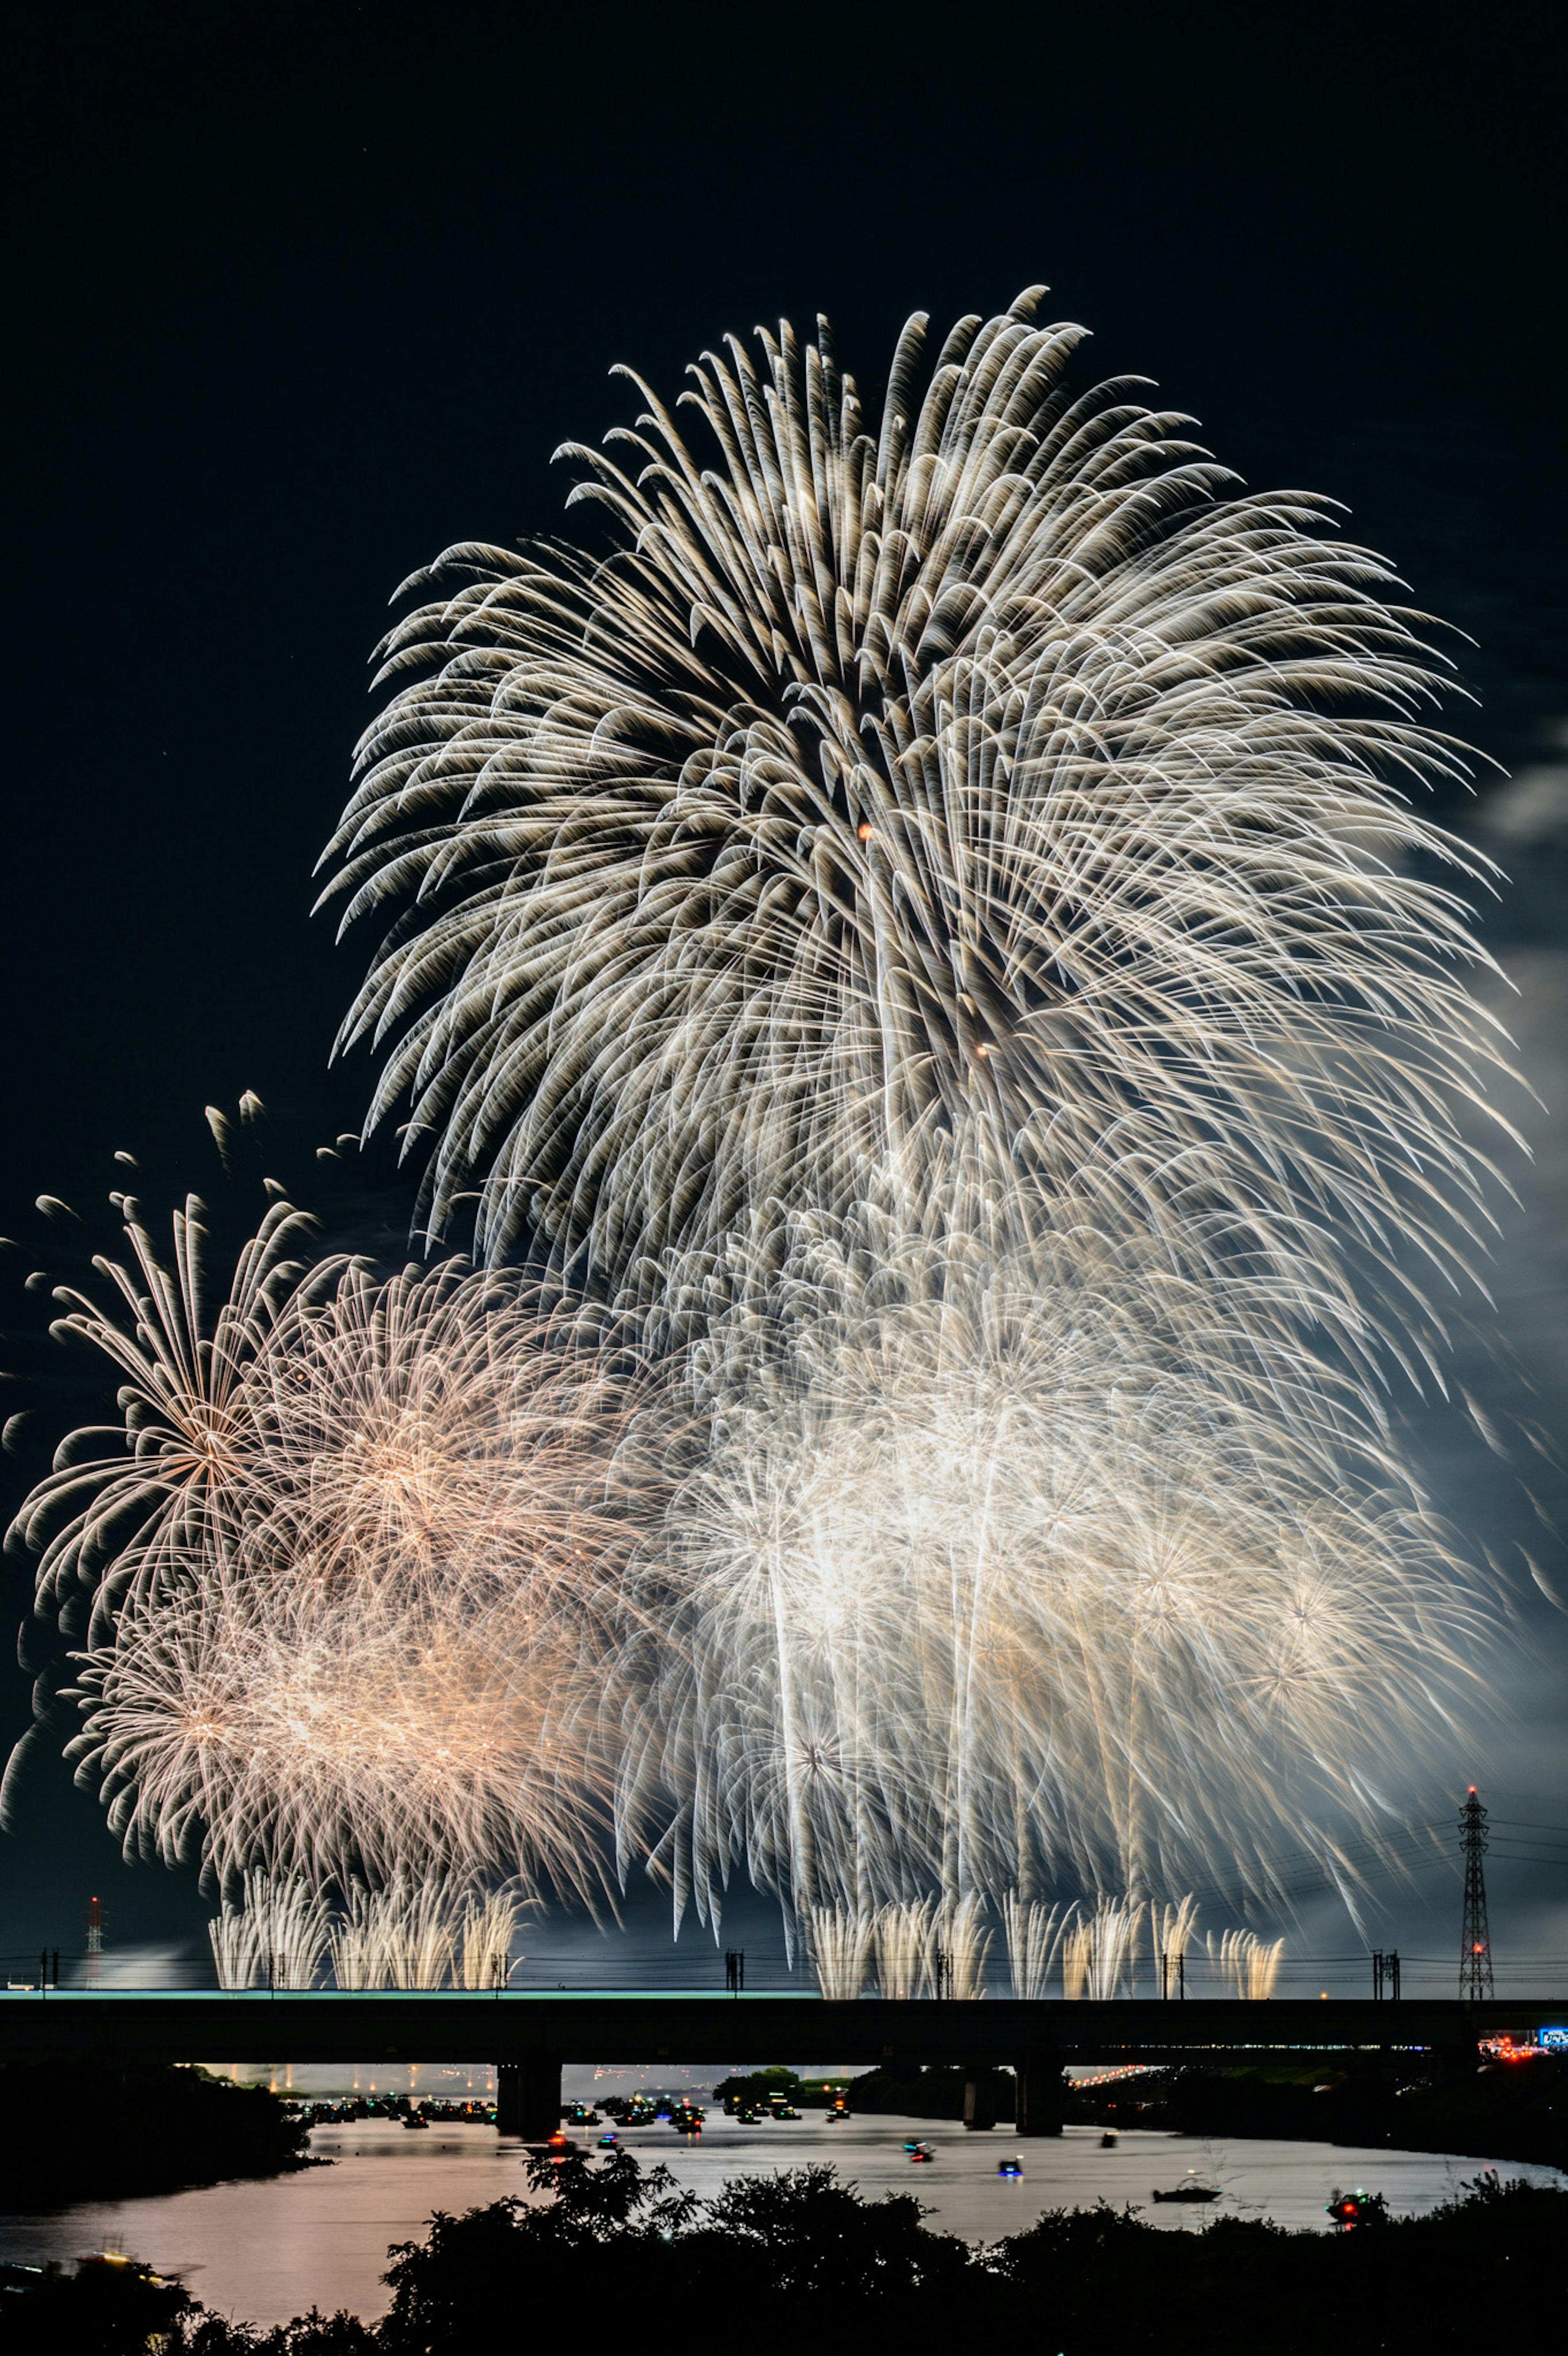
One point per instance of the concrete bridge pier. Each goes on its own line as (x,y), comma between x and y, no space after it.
(979,2096)
(1041,2101)
(528,2096)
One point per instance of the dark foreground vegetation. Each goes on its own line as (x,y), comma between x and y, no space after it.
(96,2132)
(774,2262)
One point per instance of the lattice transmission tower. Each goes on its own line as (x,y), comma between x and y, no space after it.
(1475,1942)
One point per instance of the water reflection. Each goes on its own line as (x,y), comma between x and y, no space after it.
(261,2253)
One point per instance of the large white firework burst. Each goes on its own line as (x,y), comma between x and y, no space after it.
(998,770)
(374,1629)
(991,1588)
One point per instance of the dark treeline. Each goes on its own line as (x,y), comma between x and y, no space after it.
(1497,2110)
(1494,2110)
(98,2131)
(774,2258)
(907,2091)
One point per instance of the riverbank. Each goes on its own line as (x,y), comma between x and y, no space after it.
(604,2237)
(80,2132)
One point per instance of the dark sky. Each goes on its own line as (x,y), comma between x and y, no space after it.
(300,296)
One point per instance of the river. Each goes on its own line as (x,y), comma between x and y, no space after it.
(263,2252)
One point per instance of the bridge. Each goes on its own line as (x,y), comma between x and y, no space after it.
(528,2035)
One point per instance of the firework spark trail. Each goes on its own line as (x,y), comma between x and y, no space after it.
(1002,772)
(382,1637)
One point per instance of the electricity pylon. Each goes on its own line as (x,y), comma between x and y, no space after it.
(1474,1942)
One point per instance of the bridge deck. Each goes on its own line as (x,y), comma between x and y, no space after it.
(378,2025)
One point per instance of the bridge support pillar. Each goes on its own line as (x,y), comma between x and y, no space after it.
(1040,2100)
(980,2098)
(528,2096)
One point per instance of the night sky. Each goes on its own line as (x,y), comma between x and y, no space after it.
(301,295)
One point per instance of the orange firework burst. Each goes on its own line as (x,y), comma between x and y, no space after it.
(370,1630)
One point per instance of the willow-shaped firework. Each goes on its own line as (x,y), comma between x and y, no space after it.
(998,772)
(382,1637)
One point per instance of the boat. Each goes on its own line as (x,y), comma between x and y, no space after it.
(1009,2167)
(1351,2209)
(1107,2140)
(609,2143)
(416,2119)
(1194,2191)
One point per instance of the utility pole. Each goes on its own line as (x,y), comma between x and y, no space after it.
(1474,1942)
(1385,1976)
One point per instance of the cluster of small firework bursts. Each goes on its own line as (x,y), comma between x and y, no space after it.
(357,1581)
(923,953)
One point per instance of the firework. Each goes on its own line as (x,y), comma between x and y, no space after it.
(404,1936)
(919,1949)
(486,1934)
(374,1639)
(987,1588)
(928,926)
(280,1934)
(998,773)
(839,1942)
(1034,1934)
(131,1504)
(277,1937)
(1249,1966)
(1099,1950)
(904,1939)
